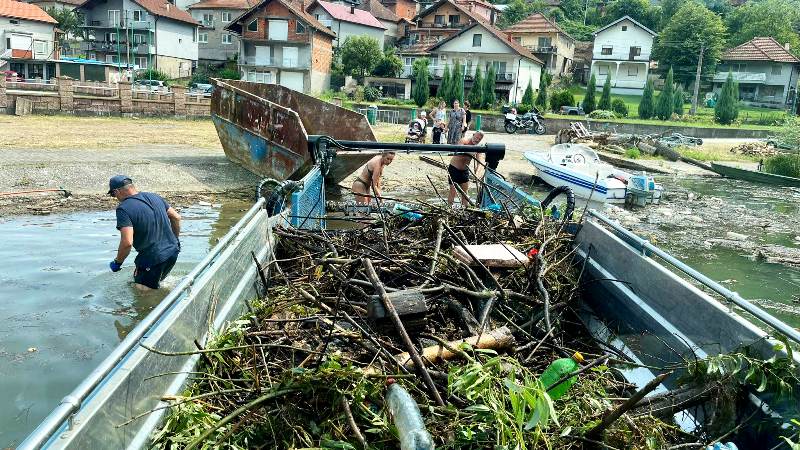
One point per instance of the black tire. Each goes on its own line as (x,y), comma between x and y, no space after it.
(540,129)
(511,128)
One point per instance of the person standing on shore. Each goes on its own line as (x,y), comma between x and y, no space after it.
(149,224)
(458,170)
(438,115)
(468,117)
(456,122)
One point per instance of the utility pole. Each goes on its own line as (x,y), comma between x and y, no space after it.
(693,110)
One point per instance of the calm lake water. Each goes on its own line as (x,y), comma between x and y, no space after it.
(63,310)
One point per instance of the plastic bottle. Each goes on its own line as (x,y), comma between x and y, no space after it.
(721,446)
(556,370)
(407,419)
(406,212)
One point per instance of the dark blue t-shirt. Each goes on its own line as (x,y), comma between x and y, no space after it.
(153,238)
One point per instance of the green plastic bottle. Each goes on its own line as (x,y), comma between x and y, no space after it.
(556,370)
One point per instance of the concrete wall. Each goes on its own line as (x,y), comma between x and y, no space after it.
(215,49)
(176,39)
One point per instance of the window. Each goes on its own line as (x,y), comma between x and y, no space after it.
(202,38)
(141,61)
(112,59)
(476,40)
(776,69)
(606,50)
(602,69)
(253,26)
(40,48)
(316,16)
(111,37)
(278,30)
(636,51)
(633,71)
(138,39)
(226,16)
(93,56)
(227,39)
(624,28)
(438,19)
(300,28)
(409,61)
(14,22)
(208,20)
(545,42)
(138,15)
(113,17)
(454,20)
(518,40)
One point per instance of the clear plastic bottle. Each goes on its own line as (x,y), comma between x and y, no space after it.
(556,370)
(407,419)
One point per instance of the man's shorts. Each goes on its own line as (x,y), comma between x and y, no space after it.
(457,176)
(152,276)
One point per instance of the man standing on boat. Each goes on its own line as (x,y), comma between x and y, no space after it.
(149,224)
(458,170)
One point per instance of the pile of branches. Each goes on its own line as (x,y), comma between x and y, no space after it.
(754,149)
(343,312)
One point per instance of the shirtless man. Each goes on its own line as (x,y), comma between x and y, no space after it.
(458,170)
(370,177)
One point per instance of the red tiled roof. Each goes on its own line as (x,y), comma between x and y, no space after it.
(522,51)
(342,13)
(165,9)
(293,6)
(378,10)
(760,49)
(66,2)
(222,4)
(536,23)
(25,11)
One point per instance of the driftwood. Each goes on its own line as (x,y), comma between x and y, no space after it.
(498,339)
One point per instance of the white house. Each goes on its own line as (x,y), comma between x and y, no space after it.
(27,37)
(622,50)
(482,45)
(347,21)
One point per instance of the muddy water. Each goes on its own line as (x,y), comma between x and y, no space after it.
(63,310)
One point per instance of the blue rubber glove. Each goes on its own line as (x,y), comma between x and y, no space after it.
(115,266)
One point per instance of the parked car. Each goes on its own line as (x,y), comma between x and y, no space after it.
(205,88)
(572,111)
(11,75)
(150,85)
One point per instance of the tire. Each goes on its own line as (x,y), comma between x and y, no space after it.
(540,129)
(511,128)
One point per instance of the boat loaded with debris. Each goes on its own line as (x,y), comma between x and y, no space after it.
(755,176)
(438,328)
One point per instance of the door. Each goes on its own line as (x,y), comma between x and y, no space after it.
(292,80)
(278,30)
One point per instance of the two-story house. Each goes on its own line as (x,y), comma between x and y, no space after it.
(27,37)
(406,9)
(482,45)
(445,18)
(765,71)
(215,44)
(547,41)
(622,50)
(141,34)
(346,21)
(281,43)
(396,26)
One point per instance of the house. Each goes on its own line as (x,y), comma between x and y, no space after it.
(547,41)
(396,26)
(57,4)
(766,72)
(283,44)
(482,45)
(27,40)
(622,50)
(347,21)
(141,34)
(215,45)
(406,9)
(445,18)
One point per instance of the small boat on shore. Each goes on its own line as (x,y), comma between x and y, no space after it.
(580,168)
(754,176)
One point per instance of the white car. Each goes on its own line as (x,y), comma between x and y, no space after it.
(150,85)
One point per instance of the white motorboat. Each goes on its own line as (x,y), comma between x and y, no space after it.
(579,167)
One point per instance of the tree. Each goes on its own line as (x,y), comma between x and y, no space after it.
(677,103)
(668,9)
(476,92)
(390,65)
(779,19)
(589,104)
(578,30)
(680,41)
(360,54)
(639,10)
(445,85)
(69,21)
(666,100)
(488,88)
(527,96)
(518,10)
(727,107)
(457,92)
(541,97)
(646,105)
(605,97)
(421,89)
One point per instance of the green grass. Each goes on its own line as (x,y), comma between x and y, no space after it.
(786,165)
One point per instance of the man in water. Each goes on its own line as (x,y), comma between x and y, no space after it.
(147,223)
(458,170)
(370,178)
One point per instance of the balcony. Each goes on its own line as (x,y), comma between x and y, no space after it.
(450,25)
(278,63)
(741,77)
(438,71)
(545,50)
(121,24)
(114,47)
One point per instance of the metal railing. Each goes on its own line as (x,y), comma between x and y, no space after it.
(384,115)
(645,247)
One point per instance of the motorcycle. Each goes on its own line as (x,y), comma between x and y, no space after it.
(531,120)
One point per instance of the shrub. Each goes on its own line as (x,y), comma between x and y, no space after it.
(433,102)
(589,104)
(200,77)
(619,107)
(633,153)
(666,100)
(561,98)
(476,92)
(233,74)
(371,94)
(523,108)
(358,95)
(541,96)
(605,97)
(786,165)
(151,74)
(421,88)
(678,101)
(488,88)
(727,108)
(602,114)
(789,132)
(646,105)
(527,97)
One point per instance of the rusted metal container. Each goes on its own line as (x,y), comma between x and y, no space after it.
(265,128)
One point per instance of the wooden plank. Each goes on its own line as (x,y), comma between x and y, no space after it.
(492,255)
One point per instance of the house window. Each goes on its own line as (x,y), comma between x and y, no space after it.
(93,56)
(633,71)
(227,39)
(602,70)
(454,20)
(476,40)
(300,28)
(545,42)
(141,61)
(278,30)
(138,15)
(40,48)
(636,51)
(226,16)
(776,69)
(606,50)
(409,61)
(253,26)
(112,59)
(203,38)
(111,37)
(438,19)
(624,28)
(208,20)
(138,39)
(113,17)
(518,40)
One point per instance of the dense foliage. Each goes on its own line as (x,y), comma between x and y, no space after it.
(562,97)
(589,103)
(666,99)
(678,100)
(421,75)
(619,107)
(541,96)
(779,19)
(476,92)
(488,88)
(389,66)
(727,108)
(360,55)
(605,97)
(647,108)
(527,96)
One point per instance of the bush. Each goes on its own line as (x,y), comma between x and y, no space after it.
(647,107)
(433,102)
(789,132)
(230,74)
(786,165)
(371,94)
(633,153)
(605,97)
(151,74)
(561,98)
(619,107)
(523,108)
(200,77)
(602,114)
(665,105)
(727,108)
(589,104)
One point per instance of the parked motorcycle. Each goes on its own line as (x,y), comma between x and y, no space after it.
(531,120)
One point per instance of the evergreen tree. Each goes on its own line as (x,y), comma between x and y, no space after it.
(727,107)
(678,102)
(444,87)
(666,100)
(605,98)
(421,89)
(589,104)
(527,96)
(646,105)
(457,92)
(541,97)
(488,88)
(476,93)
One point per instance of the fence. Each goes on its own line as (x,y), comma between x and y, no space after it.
(384,115)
